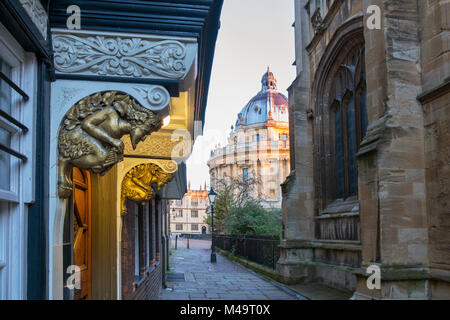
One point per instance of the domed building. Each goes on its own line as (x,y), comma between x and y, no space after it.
(258,145)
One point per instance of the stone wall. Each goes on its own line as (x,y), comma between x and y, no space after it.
(401,221)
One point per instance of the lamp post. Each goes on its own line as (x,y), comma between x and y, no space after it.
(212,197)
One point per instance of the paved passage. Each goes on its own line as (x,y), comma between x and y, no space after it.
(224,280)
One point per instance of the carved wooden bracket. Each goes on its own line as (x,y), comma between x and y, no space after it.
(90,132)
(137,183)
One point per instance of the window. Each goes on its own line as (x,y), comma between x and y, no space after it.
(157,205)
(179,226)
(12,130)
(348,109)
(151,234)
(284,137)
(194,227)
(18,72)
(341,98)
(272,193)
(139,247)
(194,202)
(194,214)
(245,174)
(5,136)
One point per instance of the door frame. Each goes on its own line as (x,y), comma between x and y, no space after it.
(88,186)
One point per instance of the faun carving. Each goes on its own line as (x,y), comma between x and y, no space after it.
(90,132)
(137,183)
(116,56)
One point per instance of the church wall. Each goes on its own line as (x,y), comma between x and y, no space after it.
(437,150)
(435,81)
(435,99)
(302,256)
(402,165)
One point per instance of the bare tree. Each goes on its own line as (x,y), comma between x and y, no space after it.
(232,192)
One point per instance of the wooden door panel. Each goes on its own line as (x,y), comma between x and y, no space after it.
(82,234)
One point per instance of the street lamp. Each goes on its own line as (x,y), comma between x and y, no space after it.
(212,197)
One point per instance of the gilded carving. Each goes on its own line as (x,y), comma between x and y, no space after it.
(90,133)
(161,146)
(137,183)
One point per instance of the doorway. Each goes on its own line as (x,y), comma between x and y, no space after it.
(82,231)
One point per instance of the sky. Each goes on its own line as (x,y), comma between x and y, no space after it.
(254,34)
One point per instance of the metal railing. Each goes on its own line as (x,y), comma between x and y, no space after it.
(263,250)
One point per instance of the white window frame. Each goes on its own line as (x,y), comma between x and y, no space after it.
(24,74)
(13,216)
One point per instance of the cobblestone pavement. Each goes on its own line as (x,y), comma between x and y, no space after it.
(224,280)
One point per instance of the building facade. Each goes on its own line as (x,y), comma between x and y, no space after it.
(369,149)
(88,155)
(258,146)
(188,215)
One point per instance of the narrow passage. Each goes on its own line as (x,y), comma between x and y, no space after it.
(193,277)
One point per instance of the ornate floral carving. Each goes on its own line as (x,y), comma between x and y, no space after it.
(162,146)
(37,14)
(137,183)
(90,132)
(157,97)
(116,56)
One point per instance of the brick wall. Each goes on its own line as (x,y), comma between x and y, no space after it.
(149,286)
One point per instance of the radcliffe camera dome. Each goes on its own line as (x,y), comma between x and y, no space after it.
(267,105)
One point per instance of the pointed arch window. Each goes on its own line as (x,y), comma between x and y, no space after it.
(348,120)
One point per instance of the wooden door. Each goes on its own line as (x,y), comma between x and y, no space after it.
(82,231)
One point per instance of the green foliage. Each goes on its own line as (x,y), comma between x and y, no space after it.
(235,212)
(252,219)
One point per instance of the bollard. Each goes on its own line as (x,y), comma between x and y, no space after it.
(176,241)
